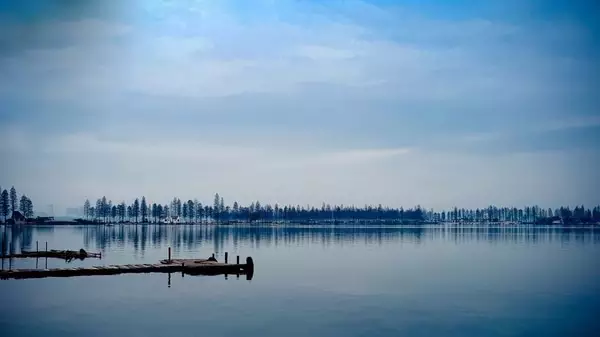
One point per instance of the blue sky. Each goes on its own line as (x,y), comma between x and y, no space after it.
(437,103)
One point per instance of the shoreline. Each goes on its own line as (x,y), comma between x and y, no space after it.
(312,223)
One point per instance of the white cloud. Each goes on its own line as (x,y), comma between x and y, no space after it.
(273,57)
(316,52)
(322,66)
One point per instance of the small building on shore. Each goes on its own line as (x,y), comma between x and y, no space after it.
(17,218)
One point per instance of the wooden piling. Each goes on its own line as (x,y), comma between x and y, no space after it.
(37,250)
(169,254)
(46,245)
(237,260)
(226,257)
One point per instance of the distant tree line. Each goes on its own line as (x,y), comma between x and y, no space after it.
(9,203)
(193,211)
(529,214)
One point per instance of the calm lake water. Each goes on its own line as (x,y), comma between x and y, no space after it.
(322,281)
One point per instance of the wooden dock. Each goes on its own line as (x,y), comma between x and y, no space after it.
(58,254)
(186,266)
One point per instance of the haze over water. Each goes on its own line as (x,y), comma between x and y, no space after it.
(324,280)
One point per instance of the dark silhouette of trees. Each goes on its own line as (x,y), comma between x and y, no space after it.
(4,204)
(86,209)
(26,206)
(190,212)
(135,208)
(216,207)
(122,210)
(13,199)
(113,213)
(144,209)
(185,211)
(195,212)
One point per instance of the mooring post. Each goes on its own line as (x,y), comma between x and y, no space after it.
(226,257)
(169,255)
(46,246)
(37,250)
(237,260)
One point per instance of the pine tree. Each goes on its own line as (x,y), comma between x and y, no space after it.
(216,207)
(4,204)
(23,204)
(103,209)
(136,209)
(113,212)
(13,199)
(144,208)
(86,209)
(190,207)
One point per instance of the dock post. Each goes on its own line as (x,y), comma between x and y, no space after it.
(226,257)
(46,246)
(37,248)
(169,255)
(237,260)
(249,268)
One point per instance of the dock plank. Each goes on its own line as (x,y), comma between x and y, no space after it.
(188,266)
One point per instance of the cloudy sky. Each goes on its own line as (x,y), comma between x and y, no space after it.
(437,103)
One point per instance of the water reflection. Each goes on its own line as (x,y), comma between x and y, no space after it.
(143,237)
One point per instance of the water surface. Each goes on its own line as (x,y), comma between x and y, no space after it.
(320,281)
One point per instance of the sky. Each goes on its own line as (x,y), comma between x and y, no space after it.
(403,103)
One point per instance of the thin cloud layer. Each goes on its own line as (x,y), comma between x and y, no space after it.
(354,102)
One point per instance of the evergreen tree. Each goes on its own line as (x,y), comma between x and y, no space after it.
(190,207)
(86,208)
(98,213)
(136,209)
(13,199)
(153,212)
(185,211)
(104,209)
(159,212)
(196,214)
(29,209)
(216,206)
(4,204)
(23,204)
(26,206)
(144,209)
